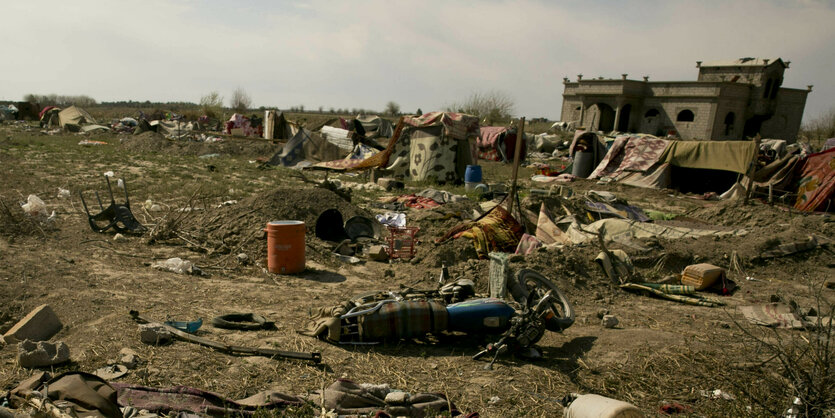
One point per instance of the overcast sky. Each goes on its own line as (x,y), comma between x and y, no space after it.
(427,54)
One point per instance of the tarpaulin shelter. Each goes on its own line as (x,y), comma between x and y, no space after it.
(498,143)
(816,187)
(307,146)
(647,161)
(375,126)
(73,117)
(434,146)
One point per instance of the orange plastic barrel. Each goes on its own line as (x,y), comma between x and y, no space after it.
(285,246)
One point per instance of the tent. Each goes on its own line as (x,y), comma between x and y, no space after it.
(816,187)
(648,161)
(435,146)
(309,146)
(375,126)
(276,126)
(498,143)
(73,117)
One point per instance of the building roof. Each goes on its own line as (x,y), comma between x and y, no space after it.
(743,62)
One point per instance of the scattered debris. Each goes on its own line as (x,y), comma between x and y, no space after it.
(596,406)
(717,394)
(116,216)
(111,372)
(38,325)
(610,321)
(31,354)
(154,334)
(179,266)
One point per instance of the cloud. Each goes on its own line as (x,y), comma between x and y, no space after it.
(418,54)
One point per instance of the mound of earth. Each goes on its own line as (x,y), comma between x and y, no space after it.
(239,228)
(154,142)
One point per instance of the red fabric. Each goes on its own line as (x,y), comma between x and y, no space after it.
(488,142)
(46,109)
(417,202)
(510,147)
(817,182)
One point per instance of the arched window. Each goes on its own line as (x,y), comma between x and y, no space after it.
(651,113)
(729,123)
(685,116)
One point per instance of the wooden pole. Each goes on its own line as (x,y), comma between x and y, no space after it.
(520,136)
(751,169)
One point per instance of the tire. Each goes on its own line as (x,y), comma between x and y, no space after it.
(529,281)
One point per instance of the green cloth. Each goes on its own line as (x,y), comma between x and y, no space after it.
(733,156)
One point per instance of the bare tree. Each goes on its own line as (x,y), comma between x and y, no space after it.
(818,130)
(212,104)
(392,108)
(492,106)
(240,100)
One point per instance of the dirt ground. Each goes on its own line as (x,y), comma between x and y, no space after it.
(661,351)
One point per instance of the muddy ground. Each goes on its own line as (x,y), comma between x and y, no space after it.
(661,352)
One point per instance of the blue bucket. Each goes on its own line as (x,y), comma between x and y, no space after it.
(472,174)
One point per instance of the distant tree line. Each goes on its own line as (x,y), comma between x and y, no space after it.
(59,100)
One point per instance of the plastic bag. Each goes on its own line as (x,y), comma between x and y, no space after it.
(34,206)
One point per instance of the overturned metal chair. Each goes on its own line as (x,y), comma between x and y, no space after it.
(116,216)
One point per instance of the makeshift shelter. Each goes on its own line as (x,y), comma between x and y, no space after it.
(816,187)
(242,125)
(276,126)
(434,146)
(308,146)
(498,143)
(375,126)
(648,161)
(73,118)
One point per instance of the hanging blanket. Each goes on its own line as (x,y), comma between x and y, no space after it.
(817,182)
(488,142)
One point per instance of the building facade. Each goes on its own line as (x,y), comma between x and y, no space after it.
(729,100)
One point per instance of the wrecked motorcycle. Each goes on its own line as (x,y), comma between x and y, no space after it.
(535,305)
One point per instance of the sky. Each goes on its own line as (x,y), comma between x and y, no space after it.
(427,54)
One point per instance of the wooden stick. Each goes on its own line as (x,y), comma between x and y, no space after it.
(752,169)
(231,349)
(520,136)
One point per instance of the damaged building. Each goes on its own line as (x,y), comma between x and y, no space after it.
(730,100)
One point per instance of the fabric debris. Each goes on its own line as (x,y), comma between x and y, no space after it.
(817,182)
(678,293)
(497,231)
(775,315)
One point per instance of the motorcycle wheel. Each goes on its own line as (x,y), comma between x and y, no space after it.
(531,282)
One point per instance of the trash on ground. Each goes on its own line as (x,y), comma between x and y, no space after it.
(34,354)
(111,372)
(179,266)
(186,326)
(38,325)
(596,406)
(678,293)
(116,216)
